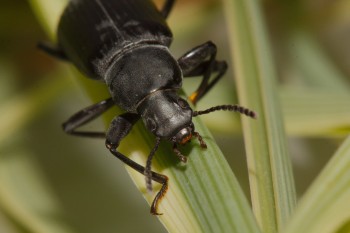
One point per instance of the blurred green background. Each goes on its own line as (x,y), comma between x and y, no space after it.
(76,186)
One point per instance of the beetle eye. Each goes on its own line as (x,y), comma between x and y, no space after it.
(182,103)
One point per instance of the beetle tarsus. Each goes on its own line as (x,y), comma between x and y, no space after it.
(160,195)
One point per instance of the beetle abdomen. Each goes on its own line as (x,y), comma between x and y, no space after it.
(93,32)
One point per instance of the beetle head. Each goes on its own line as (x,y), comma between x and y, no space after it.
(167,116)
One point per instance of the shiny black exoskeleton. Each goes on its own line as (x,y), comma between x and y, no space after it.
(124,43)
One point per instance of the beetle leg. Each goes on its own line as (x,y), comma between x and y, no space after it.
(148,169)
(53,50)
(168,5)
(201,61)
(86,115)
(118,129)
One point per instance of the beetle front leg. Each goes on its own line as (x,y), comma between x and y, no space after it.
(119,128)
(86,115)
(201,60)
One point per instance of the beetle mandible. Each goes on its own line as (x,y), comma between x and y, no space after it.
(124,43)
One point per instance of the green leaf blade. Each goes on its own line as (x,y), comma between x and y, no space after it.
(325,206)
(271,178)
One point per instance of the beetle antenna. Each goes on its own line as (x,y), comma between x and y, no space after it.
(232,108)
(148,172)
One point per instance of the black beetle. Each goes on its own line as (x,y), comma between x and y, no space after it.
(124,43)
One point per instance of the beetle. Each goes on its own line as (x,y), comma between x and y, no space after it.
(125,44)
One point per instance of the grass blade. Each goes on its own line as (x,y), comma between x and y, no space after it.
(325,206)
(271,178)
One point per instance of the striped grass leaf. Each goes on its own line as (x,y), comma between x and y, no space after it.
(270,173)
(325,206)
